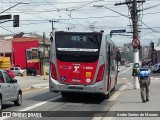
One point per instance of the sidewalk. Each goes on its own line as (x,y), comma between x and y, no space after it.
(130,102)
(28,82)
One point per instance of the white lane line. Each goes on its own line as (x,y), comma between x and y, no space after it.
(156,78)
(125,71)
(39,104)
(97,118)
(34,106)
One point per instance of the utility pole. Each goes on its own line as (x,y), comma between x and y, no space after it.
(53,29)
(132,5)
(135,36)
(44,57)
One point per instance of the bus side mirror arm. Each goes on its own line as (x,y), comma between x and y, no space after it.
(51,39)
(118,58)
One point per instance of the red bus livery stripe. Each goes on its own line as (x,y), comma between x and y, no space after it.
(76,72)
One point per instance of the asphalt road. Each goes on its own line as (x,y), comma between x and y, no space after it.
(44,101)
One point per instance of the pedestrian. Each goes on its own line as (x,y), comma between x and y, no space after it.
(144,80)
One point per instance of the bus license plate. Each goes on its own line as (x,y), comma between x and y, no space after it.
(75,88)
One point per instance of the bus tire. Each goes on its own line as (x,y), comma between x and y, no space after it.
(0,103)
(108,95)
(103,96)
(108,88)
(65,94)
(114,88)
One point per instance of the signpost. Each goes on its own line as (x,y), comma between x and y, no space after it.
(118,31)
(135,42)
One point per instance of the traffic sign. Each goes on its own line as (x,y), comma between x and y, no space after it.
(135,42)
(118,31)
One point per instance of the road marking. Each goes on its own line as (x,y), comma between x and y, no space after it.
(107,118)
(39,104)
(97,118)
(156,78)
(34,106)
(124,71)
(30,90)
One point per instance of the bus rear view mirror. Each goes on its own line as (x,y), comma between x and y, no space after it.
(118,56)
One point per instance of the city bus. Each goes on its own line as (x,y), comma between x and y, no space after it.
(83,62)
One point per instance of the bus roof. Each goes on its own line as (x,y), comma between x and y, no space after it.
(78,32)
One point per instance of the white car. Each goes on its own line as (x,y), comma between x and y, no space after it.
(10,90)
(17,71)
(156,68)
(127,65)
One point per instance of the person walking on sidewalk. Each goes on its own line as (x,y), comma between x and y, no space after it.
(144,80)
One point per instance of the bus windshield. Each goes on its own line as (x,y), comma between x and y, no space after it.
(77,47)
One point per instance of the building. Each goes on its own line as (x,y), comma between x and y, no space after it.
(5,53)
(155,52)
(16,47)
(20,46)
(145,53)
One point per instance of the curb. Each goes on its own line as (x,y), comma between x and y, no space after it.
(114,97)
(36,86)
(40,85)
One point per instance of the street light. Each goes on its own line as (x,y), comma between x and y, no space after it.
(13,6)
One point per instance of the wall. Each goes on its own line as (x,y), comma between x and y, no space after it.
(19,49)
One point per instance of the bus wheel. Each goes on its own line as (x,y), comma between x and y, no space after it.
(108,88)
(108,95)
(114,88)
(65,94)
(103,96)
(0,103)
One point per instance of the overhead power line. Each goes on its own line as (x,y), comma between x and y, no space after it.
(7,30)
(153,6)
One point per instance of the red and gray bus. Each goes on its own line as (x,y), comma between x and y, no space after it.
(85,62)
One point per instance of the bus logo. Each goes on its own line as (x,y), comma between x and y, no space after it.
(76,68)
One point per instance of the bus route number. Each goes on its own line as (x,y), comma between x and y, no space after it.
(78,38)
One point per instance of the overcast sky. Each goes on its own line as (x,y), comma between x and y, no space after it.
(79,15)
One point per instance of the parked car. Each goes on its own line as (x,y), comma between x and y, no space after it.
(11,73)
(127,65)
(10,90)
(31,71)
(156,68)
(17,71)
